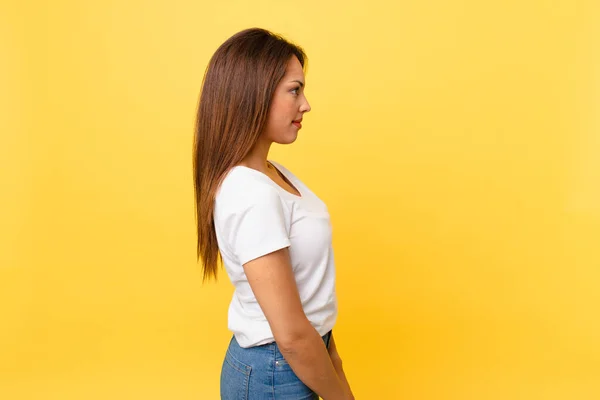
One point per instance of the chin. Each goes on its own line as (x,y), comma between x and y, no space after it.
(286,140)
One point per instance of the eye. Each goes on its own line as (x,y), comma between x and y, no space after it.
(296,90)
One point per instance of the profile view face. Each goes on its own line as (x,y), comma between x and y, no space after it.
(288,106)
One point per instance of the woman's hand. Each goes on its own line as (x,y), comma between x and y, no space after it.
(337,364)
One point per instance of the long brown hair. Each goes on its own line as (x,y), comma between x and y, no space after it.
(235,98)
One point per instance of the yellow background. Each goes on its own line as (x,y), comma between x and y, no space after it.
(456,144)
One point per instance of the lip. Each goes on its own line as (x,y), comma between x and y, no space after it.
(297,123)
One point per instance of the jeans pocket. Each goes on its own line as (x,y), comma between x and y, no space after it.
(235,376)
(288,385)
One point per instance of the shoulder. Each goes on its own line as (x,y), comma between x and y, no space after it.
(242,189)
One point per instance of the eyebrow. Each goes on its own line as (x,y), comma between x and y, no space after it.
(300,82)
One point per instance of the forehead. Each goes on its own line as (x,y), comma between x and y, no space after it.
(294,69)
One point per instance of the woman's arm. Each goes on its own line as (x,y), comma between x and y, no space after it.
(272,281)
(337,364)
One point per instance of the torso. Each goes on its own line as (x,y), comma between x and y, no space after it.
(302,223)
(282,180)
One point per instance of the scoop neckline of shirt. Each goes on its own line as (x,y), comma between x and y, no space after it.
(275,183)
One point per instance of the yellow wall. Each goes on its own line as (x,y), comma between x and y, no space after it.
(456,144)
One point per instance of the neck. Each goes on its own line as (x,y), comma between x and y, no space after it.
(257,158)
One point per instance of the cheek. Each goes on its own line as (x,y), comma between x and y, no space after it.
(282,112)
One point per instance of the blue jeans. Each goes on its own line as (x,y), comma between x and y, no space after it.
(261,373)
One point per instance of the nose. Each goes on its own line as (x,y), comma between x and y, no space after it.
(305,107)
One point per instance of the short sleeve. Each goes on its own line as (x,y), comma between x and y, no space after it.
(256,225)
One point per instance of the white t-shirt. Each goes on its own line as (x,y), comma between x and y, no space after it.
(255,216)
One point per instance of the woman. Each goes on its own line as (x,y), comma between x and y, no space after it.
(271,232)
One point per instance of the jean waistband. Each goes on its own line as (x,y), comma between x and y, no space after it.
(269,349)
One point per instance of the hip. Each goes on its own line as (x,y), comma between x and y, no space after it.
(261,373)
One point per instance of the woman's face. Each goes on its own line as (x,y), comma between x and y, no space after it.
(287,106)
